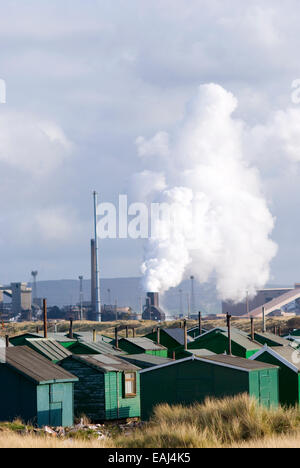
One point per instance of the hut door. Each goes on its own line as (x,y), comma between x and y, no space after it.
(265,388)
(55,404)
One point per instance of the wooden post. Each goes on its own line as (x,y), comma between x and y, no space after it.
(185,335)
(252,329)
(229,333)
(45,318)
(174,356)
(116,338)
(71,329)
(200,322)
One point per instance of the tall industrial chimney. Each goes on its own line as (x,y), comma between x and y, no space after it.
(97,290)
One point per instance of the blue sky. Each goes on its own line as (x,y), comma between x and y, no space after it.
(86,78)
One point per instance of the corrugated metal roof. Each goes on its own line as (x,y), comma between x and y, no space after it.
(106,363)
(177,334)
(201,352)
(289,354)
(36,367)
(235,361)
(144,343)
(150,359)
(51,349)
(88,336)
(243,341)
(100,347)
(60,337)
(275,338)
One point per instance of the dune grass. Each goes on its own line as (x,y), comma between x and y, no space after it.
(215,423)
(230,422)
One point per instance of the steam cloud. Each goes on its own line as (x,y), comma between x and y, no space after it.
(223,223)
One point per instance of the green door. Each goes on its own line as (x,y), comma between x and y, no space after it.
(56,398)
(264,387)
(55,414)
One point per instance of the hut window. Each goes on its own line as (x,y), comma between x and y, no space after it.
(130,384)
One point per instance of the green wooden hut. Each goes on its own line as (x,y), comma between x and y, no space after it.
(216,340)
(270,339)
(20,340)
(170,338)
(108,387)
(34,389)
(142,345)
(288,360)
(193,379)
(194,331)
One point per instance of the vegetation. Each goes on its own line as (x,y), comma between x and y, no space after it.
(231,422)
(143,327)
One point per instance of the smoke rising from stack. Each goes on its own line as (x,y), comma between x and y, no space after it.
(223,224)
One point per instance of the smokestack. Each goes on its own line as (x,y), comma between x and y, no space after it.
(192,306)
(252,328)
(71,328)
(97,291)
(45,317)
(185,335)
(158,335)
(116,338)
(229,333)
(264,320)
(200,322)
(93,277)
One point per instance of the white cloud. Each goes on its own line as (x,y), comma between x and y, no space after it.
(30,144)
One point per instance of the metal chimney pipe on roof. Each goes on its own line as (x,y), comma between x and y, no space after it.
(71,328)
(264,319)
(200,322)
(116,338)
(228,317)
(126,331)
(185,335)
(133,332)
(252,328)
(158,335)
(94,335)
(6,341)
(45,317)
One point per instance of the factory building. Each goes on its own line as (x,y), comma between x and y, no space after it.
(21,299)
(152,311)
(263,298)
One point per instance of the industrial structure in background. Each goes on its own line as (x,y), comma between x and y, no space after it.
(152,311)
(275,302)
(21,300)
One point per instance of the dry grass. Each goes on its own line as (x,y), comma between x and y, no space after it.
(11,440)
(231,422)
(215,423)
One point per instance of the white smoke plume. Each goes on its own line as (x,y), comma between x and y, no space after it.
(223,224)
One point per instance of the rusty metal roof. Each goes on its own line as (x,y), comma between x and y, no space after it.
(35,367)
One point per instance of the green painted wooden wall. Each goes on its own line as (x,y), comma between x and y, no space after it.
(288,380)
(218,343)
(44,404)
(96,393)
(192,381)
